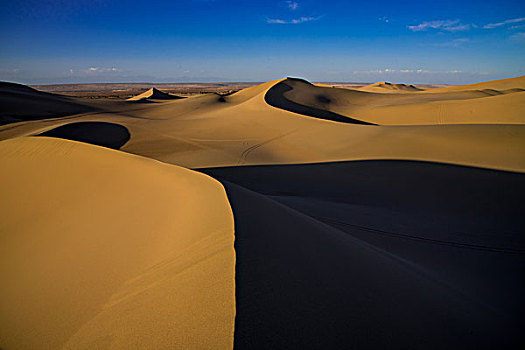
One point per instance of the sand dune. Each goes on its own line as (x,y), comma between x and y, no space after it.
(104,249)
(20,102)
(154,94)
(276,97)
(360,218)
(502,84)
(242,129)
(472,104)
(385,86)
(390,243)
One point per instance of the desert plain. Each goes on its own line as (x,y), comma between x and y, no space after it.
(278,215)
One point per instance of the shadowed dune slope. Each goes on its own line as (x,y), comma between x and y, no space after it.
(347,235)
(97,133)
(499,102)
(104,249)
(20,103)
(276,97)
(243,129)
(377,254)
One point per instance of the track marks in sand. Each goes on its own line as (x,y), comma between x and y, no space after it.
(246,152)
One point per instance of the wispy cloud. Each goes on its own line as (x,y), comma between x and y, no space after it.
(499,24)
(447,25)
(292,5)
(518,36)
(9,70)
(101,70)
(384,19)
(454,43)
(93,70)
(396,71)
(291,21)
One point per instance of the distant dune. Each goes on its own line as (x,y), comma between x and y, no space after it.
(385,86)
(153,94)
(20,102)
(284,215)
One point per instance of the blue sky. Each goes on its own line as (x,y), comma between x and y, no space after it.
(76,41)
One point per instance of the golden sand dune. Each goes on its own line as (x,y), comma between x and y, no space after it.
(501,103)
(502,84)
(385,86)
(104,249)
(241,129)
(153,94)
(358,219)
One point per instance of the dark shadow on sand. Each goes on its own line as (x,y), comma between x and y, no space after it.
(275,98)
(21,103)
(377,254)
(97,133)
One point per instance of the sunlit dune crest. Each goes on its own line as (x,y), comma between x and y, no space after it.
(284,215)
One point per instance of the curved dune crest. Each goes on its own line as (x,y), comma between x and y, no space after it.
(276,97)
(403,234)
(484,103)
(200,131)
(154,94)
(377,254)
(104,249)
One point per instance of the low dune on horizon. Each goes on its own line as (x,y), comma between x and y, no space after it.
(284,215)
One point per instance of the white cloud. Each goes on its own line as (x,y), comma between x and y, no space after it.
(291,21)
(518,36)
(448,25)
(405,71)
(101,70)
(499,24)
(454,43)
(384,19)
(292,5)
(93,70)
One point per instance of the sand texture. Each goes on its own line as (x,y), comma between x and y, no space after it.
(104,249)
(287,215)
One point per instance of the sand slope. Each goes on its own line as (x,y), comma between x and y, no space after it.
(103,249)
(362,219)
(385,86)
(153,94)
(241,129)
(303,282)
(500,102)
(20,102)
